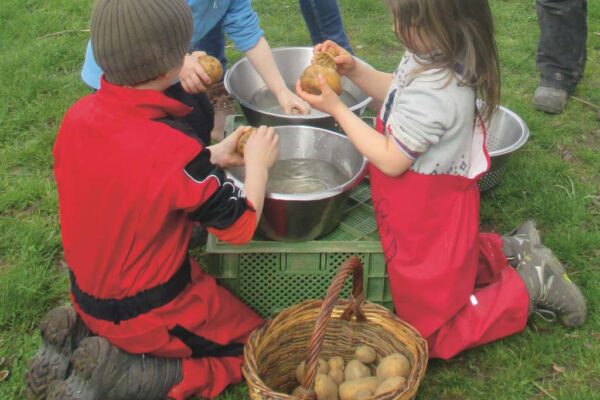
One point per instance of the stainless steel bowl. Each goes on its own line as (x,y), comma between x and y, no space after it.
(243,83)
(307,216)
(506,134)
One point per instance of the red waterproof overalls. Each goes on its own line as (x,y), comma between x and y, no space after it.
(448,280)
(131,184)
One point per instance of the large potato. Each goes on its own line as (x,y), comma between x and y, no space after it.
(212,67)
(356,370)
(310,79)
(349,389)
(393,365)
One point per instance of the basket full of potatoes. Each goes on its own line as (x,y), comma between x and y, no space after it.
(335,349)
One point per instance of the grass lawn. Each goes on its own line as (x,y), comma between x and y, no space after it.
(555,179)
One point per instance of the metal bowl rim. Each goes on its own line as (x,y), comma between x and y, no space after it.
(521,140)
(308,118)
(325,194)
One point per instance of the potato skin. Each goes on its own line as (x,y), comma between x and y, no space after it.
(241,142)
(212,67)
(390,384)
(356,370)
(325,59)
(365,354)
(325,388)
(336,362)
(337,375)
(350,388)
(323,368)
(393,365)
(310,79)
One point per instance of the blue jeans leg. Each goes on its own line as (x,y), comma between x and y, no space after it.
(213,43)
(324,22)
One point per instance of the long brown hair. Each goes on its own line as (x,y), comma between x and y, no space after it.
(463,32)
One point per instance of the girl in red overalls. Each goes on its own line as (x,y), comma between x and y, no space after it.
(453,283)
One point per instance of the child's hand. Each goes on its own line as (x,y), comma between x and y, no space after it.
(193,78)
(261,150)
(292,104)
(328,101)
(344,61)
(223,153)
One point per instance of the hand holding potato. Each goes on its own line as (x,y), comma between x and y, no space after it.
(261,149)
(344,61)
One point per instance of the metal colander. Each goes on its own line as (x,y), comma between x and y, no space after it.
(506,134)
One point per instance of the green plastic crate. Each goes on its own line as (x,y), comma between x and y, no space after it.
(270,276)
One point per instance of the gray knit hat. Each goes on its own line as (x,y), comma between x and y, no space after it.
(138,40)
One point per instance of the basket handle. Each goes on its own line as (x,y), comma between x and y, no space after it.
(354,265)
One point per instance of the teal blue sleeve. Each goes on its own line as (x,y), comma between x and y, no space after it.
(241,25)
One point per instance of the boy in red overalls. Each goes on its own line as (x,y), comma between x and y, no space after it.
(132,180)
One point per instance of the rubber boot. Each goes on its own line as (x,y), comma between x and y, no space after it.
(61,330)
(101,371)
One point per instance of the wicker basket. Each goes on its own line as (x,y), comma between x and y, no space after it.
(324,328)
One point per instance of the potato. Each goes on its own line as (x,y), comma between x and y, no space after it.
(310,79)
(363,394)
(349,389)
(393,365)
(356,370)
(325,388)
(337,375)
(297,391)
(365,354)
(325,59)
(212,67)
(322,369)
(243,139)
(390,384)
(336,362)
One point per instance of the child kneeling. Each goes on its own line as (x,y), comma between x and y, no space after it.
(453,283)
(133,180)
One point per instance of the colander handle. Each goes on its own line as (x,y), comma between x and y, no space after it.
(351,265)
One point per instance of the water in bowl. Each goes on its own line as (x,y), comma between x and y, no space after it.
(294,176)
(264,100)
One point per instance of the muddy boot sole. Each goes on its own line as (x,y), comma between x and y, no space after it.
(61,331)
(101,372)
(91,355)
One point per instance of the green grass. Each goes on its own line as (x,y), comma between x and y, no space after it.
(555,179)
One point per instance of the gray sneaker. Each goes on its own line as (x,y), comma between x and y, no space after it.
(550,100)
(550,289)
(61,330)
(101,371)
(523,241)
(520,241)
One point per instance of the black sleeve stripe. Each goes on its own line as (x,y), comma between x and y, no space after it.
(200,167)
(225,206)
